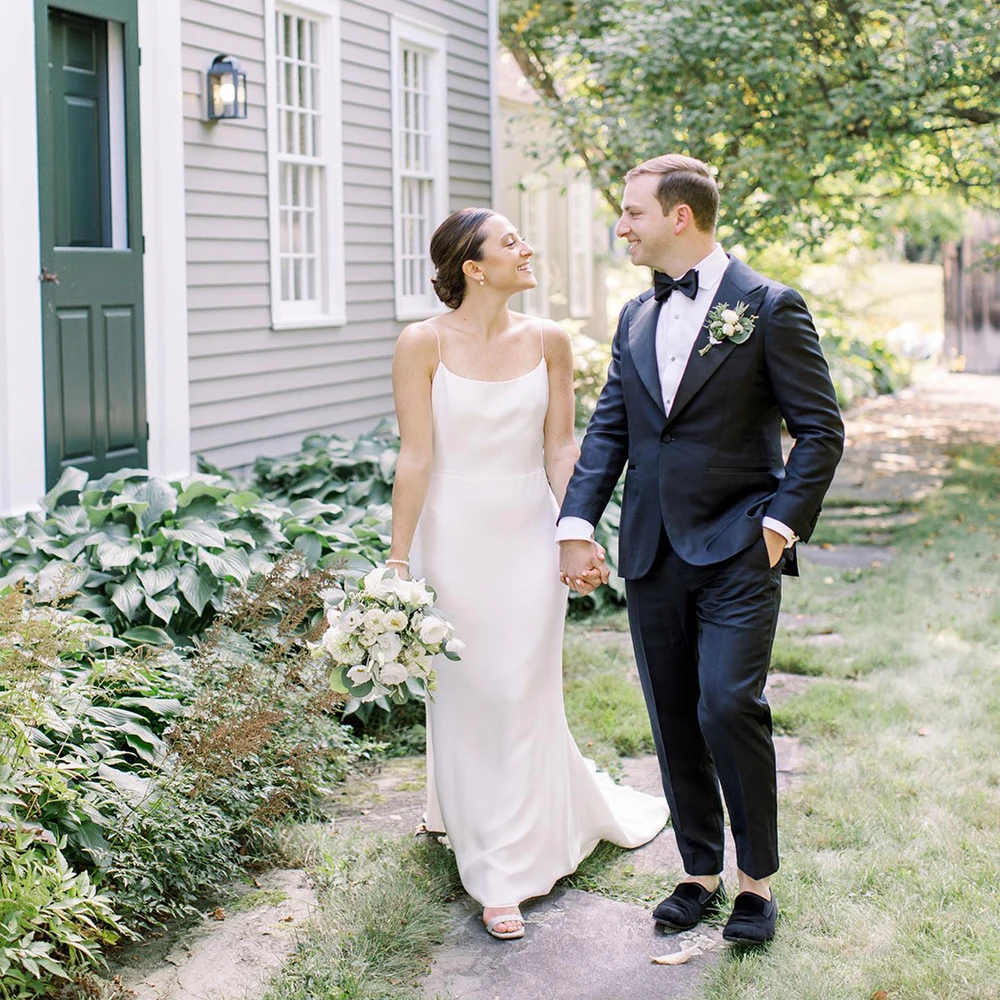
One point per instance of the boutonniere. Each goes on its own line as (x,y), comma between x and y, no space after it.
(725,323)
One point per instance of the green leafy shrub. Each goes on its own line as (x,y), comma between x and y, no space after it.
(148,779)
(52,919)
(354,473)
(135,550)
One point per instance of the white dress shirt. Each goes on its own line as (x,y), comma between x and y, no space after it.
(677,328)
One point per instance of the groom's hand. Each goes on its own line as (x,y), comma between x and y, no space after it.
(775,543)
(582,565)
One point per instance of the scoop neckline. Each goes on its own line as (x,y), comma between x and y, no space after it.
(492,381)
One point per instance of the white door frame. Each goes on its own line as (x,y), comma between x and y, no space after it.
(22,421)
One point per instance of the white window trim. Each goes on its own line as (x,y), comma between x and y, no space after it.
(537,184)
(434,41)
(287,315)
(580,226)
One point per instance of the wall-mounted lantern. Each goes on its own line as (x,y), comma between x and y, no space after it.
(227,89)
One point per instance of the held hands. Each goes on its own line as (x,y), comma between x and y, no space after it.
(582,565)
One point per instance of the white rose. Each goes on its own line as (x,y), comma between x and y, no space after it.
(433,630)
(392,673)
(728,329)
(413,592)
(454,645)
(376,585)
(387,647)
(730,316)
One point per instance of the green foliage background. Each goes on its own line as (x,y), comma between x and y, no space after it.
(818,114)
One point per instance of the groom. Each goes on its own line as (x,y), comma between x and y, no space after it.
(693,408)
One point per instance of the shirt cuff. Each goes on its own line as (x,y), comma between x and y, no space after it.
(573,529)
(782,529)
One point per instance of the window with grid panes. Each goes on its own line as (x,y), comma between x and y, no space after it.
(419,120)
(307,285)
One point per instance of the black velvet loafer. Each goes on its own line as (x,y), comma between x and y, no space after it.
(752,920)
(688,904)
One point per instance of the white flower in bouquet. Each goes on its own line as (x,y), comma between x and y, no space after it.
(414,593)
(379,583)
(339,645)
(392,674)
(396,620)
(361,673)
(433,631)
(373,621)
(351,618)
(454,645)
(386,647)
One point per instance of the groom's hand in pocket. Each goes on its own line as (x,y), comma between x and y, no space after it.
(582,565)
(775,543)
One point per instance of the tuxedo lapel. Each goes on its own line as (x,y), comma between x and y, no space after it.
(732,289)
(642,345)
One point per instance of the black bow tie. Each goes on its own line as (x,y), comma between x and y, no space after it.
(663,285)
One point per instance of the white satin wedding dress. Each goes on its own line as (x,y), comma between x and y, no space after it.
(506,782)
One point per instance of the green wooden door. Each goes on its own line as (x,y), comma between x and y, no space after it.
(91,235)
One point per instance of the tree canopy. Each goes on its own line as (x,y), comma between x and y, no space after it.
(815,112)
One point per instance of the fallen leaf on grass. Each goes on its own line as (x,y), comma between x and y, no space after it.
(880,995)
(827,545)
(876,564)
(828,579)
(923,731)
(951,557)
(218,913)
(677,957)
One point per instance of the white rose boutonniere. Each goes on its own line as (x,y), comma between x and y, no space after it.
(728,323)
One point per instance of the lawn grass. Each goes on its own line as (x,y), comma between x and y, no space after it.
(604,704)
(382,910)
(890,843)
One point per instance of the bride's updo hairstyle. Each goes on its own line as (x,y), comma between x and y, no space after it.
(458,239)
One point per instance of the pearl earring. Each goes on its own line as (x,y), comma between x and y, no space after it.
(482,279)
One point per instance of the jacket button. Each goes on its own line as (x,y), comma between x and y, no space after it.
(666,438)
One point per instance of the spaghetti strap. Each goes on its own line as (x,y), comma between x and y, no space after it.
(541,337)
(427,323)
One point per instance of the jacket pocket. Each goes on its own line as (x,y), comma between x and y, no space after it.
(739,470)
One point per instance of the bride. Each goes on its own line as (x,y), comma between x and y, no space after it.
(484,400)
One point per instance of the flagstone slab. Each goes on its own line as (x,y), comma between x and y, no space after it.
(577,946)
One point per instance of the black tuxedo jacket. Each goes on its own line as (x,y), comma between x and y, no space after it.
(710,471)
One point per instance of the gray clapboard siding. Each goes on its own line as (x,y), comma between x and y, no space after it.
(255,390)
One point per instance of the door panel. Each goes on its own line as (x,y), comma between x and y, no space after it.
(92,331)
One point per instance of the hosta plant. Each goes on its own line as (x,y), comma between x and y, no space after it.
(136,550)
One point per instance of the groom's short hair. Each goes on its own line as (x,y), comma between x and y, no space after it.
(684,180)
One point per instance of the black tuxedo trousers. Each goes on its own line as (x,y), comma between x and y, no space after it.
(702,637)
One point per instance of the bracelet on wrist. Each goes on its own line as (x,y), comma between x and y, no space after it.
(398,562)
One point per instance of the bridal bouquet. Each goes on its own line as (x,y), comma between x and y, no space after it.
(381,640)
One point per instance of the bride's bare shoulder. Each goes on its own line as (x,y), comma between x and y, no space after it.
(417,340)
